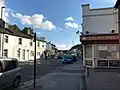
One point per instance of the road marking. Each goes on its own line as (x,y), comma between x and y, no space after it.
(30,82)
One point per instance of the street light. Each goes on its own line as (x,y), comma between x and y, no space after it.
(2,11)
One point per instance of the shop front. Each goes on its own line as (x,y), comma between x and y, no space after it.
(101,50)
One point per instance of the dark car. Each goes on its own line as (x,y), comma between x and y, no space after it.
(74,58)
(67,59)
(9,73)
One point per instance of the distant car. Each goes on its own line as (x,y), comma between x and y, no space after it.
(59,57)
(9,73)
(67,59)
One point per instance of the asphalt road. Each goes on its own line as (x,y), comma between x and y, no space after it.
(43,67)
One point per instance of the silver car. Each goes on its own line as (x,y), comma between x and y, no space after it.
(9,73)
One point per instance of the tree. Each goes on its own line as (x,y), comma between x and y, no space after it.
(14,27)
(25,30)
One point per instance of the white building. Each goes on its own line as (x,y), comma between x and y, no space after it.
(15,44)
(100,37)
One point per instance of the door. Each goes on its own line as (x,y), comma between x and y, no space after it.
(23,54)
(88,54)
(28,54)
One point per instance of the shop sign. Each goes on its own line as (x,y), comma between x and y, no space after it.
(88,62)
(110,37)
(114,63)
(109,63)
(102,62)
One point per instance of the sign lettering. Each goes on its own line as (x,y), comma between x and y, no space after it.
(115,37)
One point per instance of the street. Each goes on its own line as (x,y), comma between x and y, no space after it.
(62,77)
(43,67)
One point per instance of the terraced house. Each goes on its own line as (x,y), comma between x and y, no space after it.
(16,44)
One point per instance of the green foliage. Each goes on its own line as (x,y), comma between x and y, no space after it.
(14,27)
(25,30)
(78,46)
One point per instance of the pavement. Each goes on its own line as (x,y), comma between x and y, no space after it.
(62,78)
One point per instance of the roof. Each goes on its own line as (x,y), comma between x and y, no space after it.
(15,33)
(39,39)
(116,5)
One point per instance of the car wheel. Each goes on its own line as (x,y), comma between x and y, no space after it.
(16,82)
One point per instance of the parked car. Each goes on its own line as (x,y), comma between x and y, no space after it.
(67,59)
(9,73)
(74,58)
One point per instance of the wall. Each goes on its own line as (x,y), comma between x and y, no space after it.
(13,46)
(101,20)
(103,79)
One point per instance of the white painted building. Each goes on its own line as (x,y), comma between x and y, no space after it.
(100,37)
(100,20)
(15,44)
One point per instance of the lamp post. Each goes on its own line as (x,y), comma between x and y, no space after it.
(34,79)
(2,11)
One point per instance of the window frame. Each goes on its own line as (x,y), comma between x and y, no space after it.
(31,43)
(6,39)
(6,52)
(20,41)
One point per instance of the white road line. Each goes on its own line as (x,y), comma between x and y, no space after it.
(30,82)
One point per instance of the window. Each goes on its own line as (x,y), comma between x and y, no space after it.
(30,43)
(43,46)
(38,53)
(88,51)
(32,53)
(18,52)
(5,53)
(9,65)
(20,41)
(107,51)
(23,54)
(6,38)
(38,43)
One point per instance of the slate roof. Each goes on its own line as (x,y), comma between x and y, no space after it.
(15,33)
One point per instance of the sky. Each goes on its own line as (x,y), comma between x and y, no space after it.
(56,20)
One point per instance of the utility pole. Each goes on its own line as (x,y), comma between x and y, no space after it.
(34,79)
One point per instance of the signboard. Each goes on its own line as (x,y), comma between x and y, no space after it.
(97,37)
(102,62)
(88,62)
(114,63)
(109,63)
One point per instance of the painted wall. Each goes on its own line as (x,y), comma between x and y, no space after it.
(101,20)
(12,46)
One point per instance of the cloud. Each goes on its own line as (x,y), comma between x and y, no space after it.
(63,46)
(37,20)
(71,25)
(69,19)
(48,25)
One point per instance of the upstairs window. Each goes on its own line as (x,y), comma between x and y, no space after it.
(20,41)
(30,43)
(6,38)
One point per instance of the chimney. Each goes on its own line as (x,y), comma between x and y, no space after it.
(28,32)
